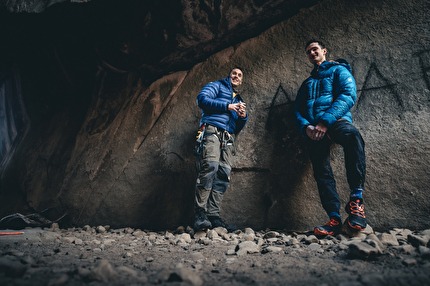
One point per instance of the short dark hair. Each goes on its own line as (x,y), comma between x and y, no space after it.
(236,67)
(319,42)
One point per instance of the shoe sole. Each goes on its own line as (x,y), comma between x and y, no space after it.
(318,232)
(349,229)
(355,227)
(202,227)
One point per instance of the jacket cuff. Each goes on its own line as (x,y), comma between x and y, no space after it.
(328,119)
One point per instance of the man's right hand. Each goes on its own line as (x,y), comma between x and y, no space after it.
(239,108)
(314,134)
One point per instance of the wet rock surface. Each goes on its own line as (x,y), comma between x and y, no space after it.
(104,256)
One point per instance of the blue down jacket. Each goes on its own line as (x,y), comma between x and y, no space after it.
(213,100)
(327,95)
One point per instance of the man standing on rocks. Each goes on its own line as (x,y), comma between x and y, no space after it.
(223,117)
(323,114)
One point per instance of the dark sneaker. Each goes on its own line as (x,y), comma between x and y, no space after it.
(356,219)
(217,221)
(201,221)
(332,227)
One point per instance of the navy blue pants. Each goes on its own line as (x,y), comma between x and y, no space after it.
(346,135)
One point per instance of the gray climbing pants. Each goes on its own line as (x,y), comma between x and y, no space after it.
(214,168)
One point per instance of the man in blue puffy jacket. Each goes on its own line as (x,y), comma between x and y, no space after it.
(322,108)
(223,117)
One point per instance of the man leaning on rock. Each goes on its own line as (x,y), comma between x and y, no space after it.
(322,109)
(223,117)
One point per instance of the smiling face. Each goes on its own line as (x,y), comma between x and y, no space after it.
(236,77)
(315,53)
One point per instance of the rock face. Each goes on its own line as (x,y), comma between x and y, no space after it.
(153,36)
(131,162)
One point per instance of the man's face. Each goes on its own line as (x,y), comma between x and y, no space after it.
(315,54)
(236,77)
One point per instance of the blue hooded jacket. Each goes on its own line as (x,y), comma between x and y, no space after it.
(327,95)
(214,99)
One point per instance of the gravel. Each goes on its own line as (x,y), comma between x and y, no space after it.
(99,255)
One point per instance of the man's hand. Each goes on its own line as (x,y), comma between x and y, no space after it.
(239,108)
(316,133)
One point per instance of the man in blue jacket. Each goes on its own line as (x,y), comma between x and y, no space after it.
(322,108)
(223,117)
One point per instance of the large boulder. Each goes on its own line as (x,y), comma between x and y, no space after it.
(132,161)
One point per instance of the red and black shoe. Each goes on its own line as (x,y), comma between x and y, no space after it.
(332,227)
(356,219)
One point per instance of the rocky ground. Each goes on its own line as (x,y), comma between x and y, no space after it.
(104,256)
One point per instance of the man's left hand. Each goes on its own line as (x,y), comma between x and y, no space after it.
(320,131)
(242,110)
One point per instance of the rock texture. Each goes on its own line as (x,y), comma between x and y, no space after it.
(154,36)
(105,256)
(131,162)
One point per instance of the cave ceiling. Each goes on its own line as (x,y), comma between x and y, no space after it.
(153,37)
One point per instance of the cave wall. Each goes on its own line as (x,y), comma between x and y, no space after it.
(132,164)
(56,55)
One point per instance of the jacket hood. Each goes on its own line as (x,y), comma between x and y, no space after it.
(226,81)
(328,64)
